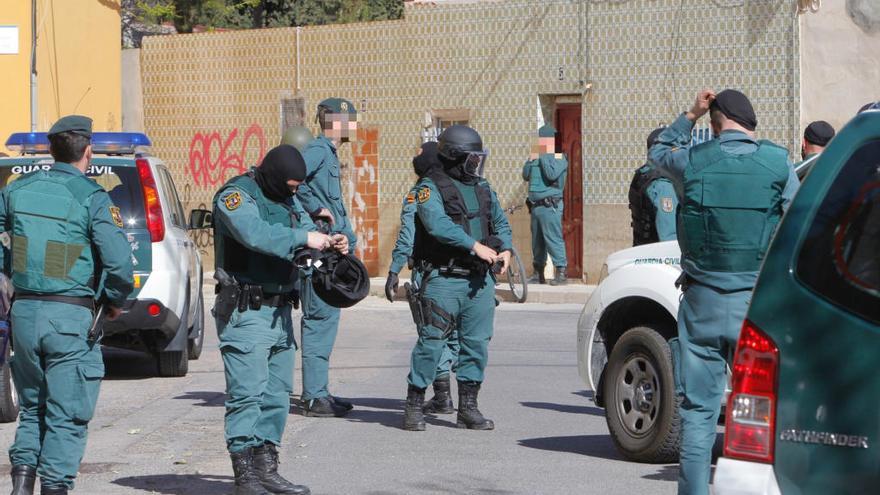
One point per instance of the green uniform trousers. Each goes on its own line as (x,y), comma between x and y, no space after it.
(320,323)
(57,372)
(547,236)
(709,324)
(471,303)
(449,357)
(258,350)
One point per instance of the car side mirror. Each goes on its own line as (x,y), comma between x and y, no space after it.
(200,219)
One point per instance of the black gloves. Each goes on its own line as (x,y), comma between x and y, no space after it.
(391,286)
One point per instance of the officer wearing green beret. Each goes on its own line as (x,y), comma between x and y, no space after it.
(545,172)
(66,252)
(734,190)
(258,228)
(297,136)
(321,196)
(426,161)
(652,202)
(461,232)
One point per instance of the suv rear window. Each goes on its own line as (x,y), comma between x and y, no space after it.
(122,183)
(840,258)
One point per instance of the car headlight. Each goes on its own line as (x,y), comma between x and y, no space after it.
(603,274)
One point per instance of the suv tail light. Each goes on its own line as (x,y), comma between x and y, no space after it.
(751,407)
(152,205)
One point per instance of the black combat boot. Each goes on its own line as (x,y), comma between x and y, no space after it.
(57,490)
(266,467)
(343,403)
(246,480)
(413,417)
(441,403)
(323,407)
(559,277)
(538,276)
(23,479)
(468,415)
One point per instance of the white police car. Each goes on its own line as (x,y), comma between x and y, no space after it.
(164,315)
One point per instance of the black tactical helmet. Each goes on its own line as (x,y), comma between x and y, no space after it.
(340,280)
(457,141)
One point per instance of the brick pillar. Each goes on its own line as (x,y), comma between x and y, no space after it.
(365,197)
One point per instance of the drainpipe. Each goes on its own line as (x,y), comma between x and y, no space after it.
(298,66)
(33,65)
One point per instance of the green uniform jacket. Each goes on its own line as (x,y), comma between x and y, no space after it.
(545,175)
(322,188)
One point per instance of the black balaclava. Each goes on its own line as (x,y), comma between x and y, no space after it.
(427,159)
(281,164)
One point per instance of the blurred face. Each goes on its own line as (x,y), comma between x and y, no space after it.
(543,145)
(340,127)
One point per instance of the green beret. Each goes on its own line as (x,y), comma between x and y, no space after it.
(546,130)
(338,105)
(77,124)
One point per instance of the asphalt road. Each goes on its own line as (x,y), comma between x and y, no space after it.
(165,436)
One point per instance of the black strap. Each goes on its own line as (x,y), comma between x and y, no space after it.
(84,301)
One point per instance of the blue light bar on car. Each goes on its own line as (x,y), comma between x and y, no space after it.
(105,143)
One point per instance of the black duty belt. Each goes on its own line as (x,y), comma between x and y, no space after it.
(550,202)
(275,300)
(84,301)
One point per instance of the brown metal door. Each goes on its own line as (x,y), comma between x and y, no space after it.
(568,141)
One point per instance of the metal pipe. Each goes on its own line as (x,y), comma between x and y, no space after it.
(33,65)
(298,66)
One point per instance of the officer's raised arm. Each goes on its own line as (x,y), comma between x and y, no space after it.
(553,166)
(113,249)
(670,153)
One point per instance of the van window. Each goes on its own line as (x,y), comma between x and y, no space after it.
(840,257)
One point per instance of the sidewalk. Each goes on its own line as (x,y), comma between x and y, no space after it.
(573,293)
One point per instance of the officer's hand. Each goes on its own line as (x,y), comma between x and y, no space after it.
(484,252)
(340,243)
(701,105)
(325,213)
(6,291)
(318,240)
(504,258)
(391,286)
(112,312)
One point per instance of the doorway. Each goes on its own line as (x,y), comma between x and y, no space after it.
(568,141)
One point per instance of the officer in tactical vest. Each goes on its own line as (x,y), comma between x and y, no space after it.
(67,251)
(321,196)
(423,163)
(461,235)
(545,172)
(652,202)
(258,228)
(297,136)
(734,191)
(817,135)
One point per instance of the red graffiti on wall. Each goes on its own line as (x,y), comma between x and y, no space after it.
(210,159)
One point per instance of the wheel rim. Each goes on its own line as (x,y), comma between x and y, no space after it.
(515,278)
(12,382)
(638,395)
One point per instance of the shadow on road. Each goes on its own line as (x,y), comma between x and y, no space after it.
(178,484)
(599,446)
(565,408)
(473,485)
(666,473)
(209,399)
(128,365)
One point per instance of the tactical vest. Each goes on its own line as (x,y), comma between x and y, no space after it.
(476,223)
(51,240)
(731,206)
(642,210)
(275,275)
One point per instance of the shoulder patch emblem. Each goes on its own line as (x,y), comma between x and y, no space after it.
(232,200)
(410,198)
(116,215)
(424,194)
(666,203)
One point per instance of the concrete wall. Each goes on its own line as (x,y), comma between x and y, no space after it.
(132,91)
(840,60)
(15,68)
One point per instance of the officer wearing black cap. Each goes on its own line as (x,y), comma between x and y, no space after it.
(734,190)
(816,137)
(66,236)
(652,202)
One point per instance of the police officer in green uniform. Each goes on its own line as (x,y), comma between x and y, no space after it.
(423,163)
(67,251)
(816,137)
(321,196)
(734,190)
(297,136)
(258,228)
(461,232)
(545,172)
(652,202)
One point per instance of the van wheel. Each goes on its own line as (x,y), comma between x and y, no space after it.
(174,363)
(198,330)
(8,395)
(641,406)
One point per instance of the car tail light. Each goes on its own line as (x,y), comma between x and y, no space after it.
(152,205)
(751,407)
(154,309)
